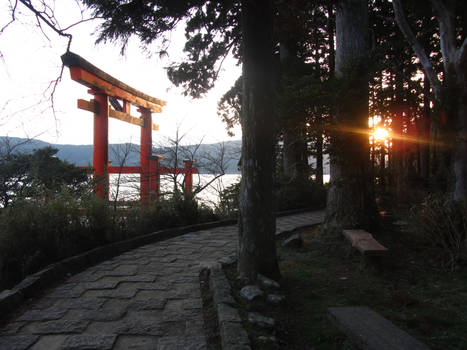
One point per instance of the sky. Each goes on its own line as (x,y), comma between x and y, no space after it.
(30,59)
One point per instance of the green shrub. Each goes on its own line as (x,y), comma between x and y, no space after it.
(290,196)
(300,195)
(442,223)
(175,211)
(37,232)
(228,201)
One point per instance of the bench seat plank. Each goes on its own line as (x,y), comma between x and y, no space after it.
(365,243)
(370,331)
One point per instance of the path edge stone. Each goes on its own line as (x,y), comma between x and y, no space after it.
(232,334)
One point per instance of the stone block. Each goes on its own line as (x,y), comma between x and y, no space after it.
(59,326)
(233,334)
(251,292)
(370,331)
(42,315)
(17,342)
(226,313)
(88,342)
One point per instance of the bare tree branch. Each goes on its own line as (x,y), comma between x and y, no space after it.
(13,17)
(41,17)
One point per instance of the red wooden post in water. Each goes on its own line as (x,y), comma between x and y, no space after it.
(188,176)
(155,177)
(100,157)
(145,154)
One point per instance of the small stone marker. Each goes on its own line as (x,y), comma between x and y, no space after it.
(250,292)
(261,321)
(267,283)
(370,331)
(275,299)
(268,340)
(294,241)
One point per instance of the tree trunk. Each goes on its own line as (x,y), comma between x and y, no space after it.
(294,162)
(350,201)
(319,159)
(294,159)
(257,224)
(425,133)
(399,142)
(460,149)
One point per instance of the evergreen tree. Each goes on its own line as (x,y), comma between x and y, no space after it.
(350,201)
(213,29)
(37,175)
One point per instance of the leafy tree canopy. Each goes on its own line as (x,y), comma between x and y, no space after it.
(212,31)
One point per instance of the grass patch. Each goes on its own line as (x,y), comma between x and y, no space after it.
(408,289)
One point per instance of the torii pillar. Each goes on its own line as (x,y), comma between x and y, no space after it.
(145,154)
(100,156)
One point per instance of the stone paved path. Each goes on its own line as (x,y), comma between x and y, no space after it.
(147,298)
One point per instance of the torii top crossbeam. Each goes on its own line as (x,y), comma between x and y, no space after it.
(104,87)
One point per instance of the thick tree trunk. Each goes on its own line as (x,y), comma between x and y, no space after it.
(257,224)
(294,152)
(350,198)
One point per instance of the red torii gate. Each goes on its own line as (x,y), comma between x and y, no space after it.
(105,89)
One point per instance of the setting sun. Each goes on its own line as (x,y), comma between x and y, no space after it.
(380,134)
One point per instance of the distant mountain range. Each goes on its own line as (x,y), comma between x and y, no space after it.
(206,155)
(81,155)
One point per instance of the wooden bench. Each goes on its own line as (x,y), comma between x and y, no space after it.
(368,330)
(365,243)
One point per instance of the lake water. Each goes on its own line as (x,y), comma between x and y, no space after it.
(129,186)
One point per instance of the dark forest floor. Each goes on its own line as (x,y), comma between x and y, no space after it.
(408,288)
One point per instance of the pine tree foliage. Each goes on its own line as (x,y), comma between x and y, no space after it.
(212,31)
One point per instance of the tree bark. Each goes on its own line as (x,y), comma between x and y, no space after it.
(257,224)
(350,201)
(294,157)
(425,133)
(319,159)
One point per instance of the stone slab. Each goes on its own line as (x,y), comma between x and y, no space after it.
(370,331)
(89,342)
(365,243)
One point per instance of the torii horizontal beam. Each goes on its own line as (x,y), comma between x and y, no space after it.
(91,76)
(92,106)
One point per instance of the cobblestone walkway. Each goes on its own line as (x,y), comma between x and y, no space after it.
(147,298)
